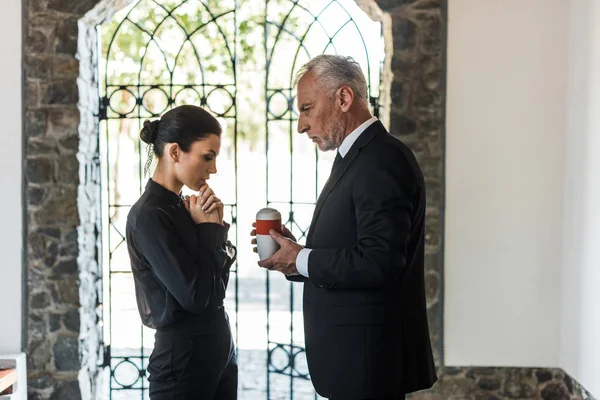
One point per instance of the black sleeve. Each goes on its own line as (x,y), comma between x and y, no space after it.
(190,280)
(382,194)
(296,278)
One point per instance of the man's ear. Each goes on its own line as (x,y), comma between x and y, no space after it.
(345,97)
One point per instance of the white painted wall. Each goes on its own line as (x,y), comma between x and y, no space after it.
(506,113)
(10,178)
(522,253)
(580,328)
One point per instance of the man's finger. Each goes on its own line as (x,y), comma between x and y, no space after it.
(253,241)
(266,263)
(279,238)
(253,232)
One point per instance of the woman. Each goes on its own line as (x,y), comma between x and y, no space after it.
(180,258)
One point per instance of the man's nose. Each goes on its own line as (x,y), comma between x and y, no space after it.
(302,127)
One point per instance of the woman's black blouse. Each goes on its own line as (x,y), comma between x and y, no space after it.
(180,268)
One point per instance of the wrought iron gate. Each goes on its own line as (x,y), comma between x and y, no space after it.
(157,54)
(290,40)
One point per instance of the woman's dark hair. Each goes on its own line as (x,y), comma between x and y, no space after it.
(183,125)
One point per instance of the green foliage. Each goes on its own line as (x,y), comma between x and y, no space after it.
(193,42)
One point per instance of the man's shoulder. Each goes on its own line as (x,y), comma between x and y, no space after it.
(386,152)
(386,147)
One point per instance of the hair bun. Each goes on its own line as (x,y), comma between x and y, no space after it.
(149,131)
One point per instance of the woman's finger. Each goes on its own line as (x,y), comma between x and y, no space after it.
(209,202)
(203,188)
(214,206)
(206,195)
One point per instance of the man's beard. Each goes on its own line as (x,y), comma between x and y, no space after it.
(335,134)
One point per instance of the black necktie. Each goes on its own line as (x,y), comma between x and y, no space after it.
(336,161)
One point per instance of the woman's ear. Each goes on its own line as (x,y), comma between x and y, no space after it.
(174,152)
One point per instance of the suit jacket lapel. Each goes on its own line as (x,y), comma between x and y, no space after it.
(337,174)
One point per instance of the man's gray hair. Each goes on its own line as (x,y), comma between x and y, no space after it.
(334,71)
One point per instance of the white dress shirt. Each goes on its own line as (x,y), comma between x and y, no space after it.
(302,258)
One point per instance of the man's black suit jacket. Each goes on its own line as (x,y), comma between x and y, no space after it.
(365,316)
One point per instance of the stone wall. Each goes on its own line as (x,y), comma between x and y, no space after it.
(503,384)
(62,332)
(416,117)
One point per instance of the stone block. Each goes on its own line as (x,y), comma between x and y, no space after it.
(555,391)
(404,33)
(35,196)
(54,322)
(68,291)
(40,170)
(401,124)
(32,94)
(67,169)
(432,287)
(69,144)
(65,67)
(63,122)
(72,7)
(428,5)
(41,147)
(61,208)
(65,268)
(388,5)
(39,300)
(61,92)
(67,391)
(39,354)
(72,321)
(35,122)
(37,41)
(66,37)
(399,93)
(431,33)
(66,353)
(36,66)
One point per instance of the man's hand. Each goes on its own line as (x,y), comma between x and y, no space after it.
(284,260)
(285,231)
